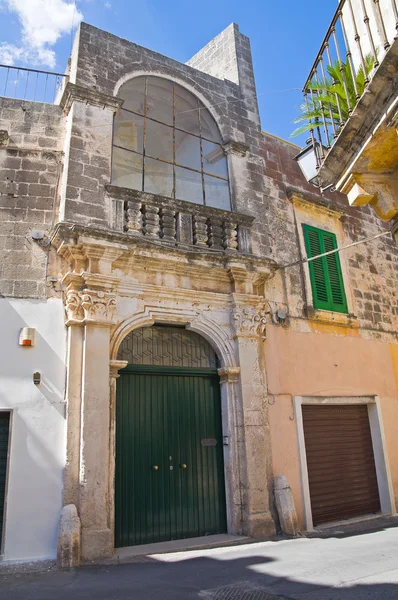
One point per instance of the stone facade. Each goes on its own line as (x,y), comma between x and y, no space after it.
(122,259)
(30,164)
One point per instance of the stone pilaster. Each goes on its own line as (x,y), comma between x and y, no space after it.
(115,367)
(249,323)
(232,419)
(90,305)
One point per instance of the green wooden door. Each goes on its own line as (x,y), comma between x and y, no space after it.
(4,433)
(169,418)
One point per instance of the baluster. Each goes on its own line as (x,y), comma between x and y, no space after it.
(215,233)
(349,61)
(317,158)
(318,131)
(230,236)
(383,29)
(329,105)
(151,220)
(341,65)
(336,95)
(167,224)
(134,216)
(368,29)
(395,11)
(200,234)
(325,126)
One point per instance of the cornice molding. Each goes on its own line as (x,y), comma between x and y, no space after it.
(73,92)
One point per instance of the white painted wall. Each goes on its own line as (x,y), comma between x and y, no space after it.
(38,426)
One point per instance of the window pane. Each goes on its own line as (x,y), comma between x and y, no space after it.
(214,159)
(129,131)
(188,150)
(208,126)
(159,141)
(133,92)
(158,178)
(217,193)
(186,110)
(189,186)
(126,169)
(159,101)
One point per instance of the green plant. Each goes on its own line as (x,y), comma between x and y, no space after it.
(326,96)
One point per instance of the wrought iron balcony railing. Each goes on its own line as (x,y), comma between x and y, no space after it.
(30,84)
(360,34)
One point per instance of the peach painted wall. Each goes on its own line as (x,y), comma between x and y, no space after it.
(325,364)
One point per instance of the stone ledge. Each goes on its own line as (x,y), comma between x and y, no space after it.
(332,318)
(74,92)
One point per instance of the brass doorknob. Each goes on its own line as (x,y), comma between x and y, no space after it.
(183,466)
(155,468)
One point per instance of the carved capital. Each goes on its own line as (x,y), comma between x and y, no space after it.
(249,322)
(229,374)
(115,366)
(99,307)
(73,307)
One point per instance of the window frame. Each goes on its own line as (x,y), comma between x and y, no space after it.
(175,128)
(330,304)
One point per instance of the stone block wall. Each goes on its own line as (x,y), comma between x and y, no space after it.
(30,164)
(372,267)
(101,62)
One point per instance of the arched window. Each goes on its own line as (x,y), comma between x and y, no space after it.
(166,142)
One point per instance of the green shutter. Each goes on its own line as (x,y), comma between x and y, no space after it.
(325,273)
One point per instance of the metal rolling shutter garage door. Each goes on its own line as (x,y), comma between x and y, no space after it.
(4,429)
(340,461)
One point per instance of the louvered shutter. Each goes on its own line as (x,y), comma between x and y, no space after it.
(325,273)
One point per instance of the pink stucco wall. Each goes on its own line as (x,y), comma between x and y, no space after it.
(326,364)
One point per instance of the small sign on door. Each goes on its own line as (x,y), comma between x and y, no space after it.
(208,442)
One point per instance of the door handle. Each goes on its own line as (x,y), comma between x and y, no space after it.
(155,468)
(183,466)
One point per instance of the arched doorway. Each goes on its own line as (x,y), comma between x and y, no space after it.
(169,481)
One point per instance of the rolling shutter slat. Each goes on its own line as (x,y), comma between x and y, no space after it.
(340,461)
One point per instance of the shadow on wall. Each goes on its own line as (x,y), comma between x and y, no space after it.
(34,494)
(37,457)
(19,363)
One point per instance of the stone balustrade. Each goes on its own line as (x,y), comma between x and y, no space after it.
(179,223)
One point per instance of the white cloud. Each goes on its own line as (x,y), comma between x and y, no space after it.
(43,22)
(108,4)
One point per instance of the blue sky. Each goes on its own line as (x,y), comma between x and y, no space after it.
(285,37)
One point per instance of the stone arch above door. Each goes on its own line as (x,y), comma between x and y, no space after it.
(220,338)
(167,346)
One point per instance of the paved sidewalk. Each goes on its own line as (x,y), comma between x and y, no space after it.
(354,567)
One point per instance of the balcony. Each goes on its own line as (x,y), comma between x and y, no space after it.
(176,223)
(350,96)
(31,84)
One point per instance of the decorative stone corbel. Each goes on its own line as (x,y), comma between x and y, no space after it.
(380,190)
(249,321)
(236,148)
